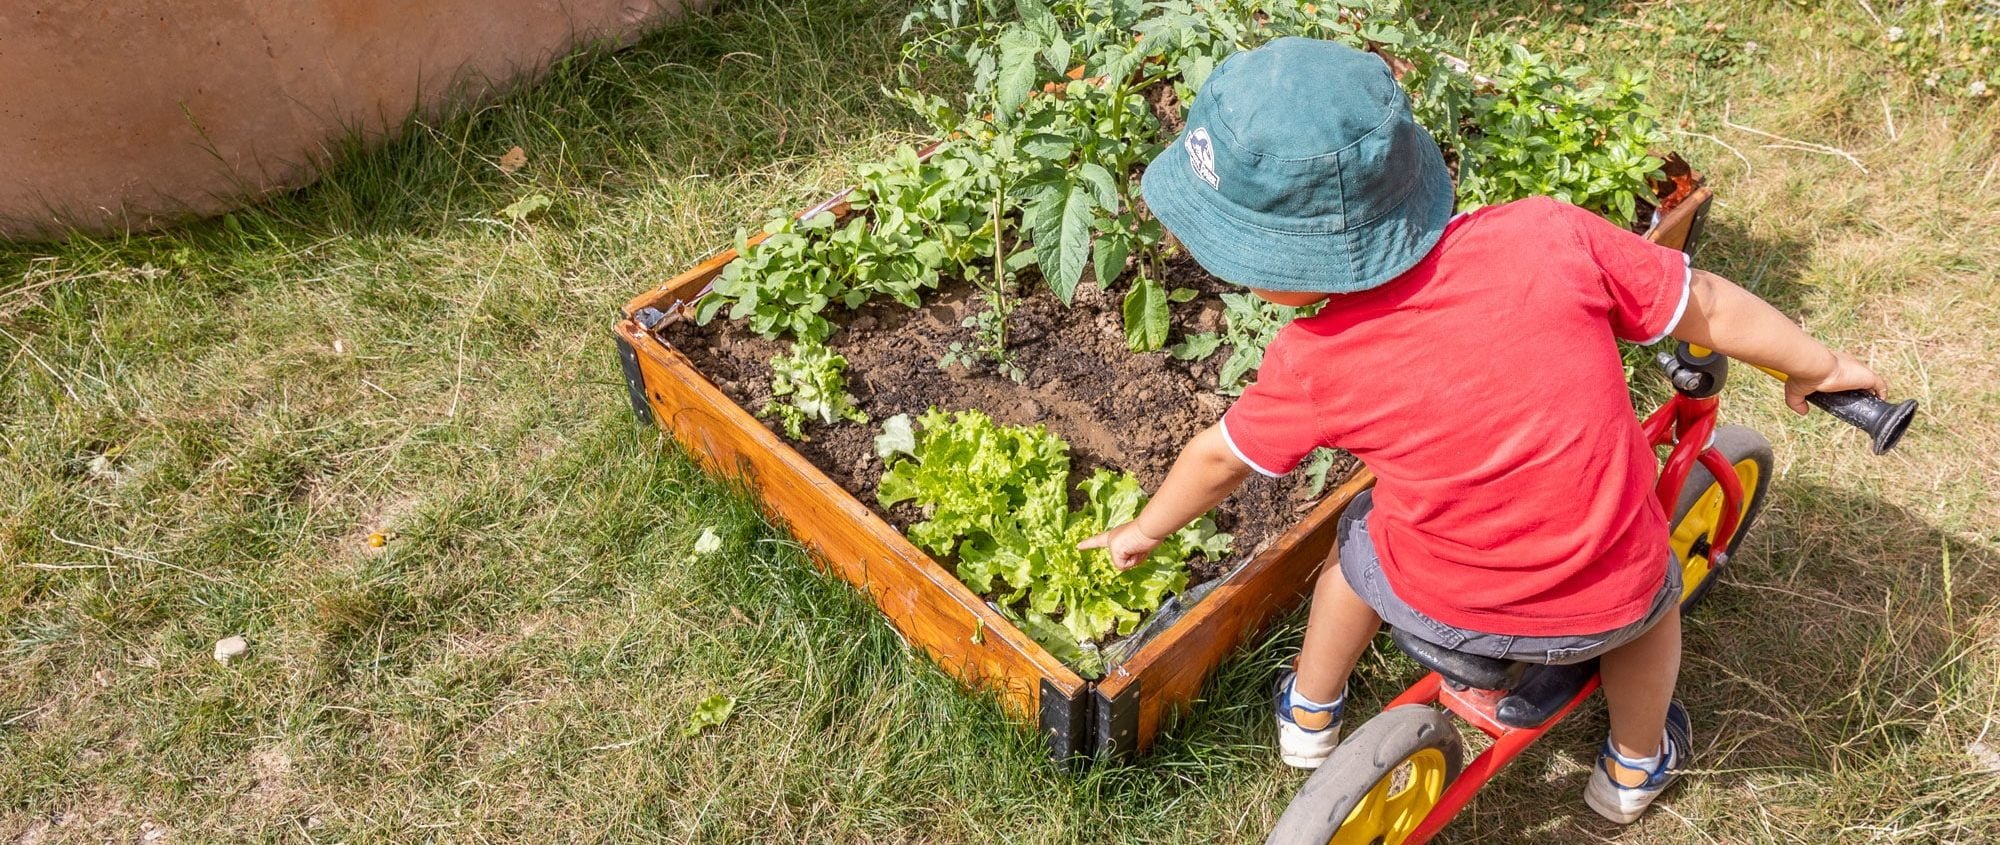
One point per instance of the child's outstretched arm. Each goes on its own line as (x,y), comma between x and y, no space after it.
(1205,473)
(1733,321)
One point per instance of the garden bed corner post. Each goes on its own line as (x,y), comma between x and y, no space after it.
(1067,724)
(628,360)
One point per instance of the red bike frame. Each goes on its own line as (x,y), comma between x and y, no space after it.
(1687,425)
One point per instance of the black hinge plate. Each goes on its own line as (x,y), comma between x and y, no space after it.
(1066,724)
(1117,723)
(635,382)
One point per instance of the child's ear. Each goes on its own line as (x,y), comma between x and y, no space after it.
(1289,298)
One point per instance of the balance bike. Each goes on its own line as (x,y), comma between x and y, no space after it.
(1401,777)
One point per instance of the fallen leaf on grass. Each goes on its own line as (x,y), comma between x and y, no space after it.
(712,711)
(519,209)
(513,160)
(708,543)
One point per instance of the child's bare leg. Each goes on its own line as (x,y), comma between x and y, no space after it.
(1338,628)
(1638,682)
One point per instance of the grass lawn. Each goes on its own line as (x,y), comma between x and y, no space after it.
(201,429)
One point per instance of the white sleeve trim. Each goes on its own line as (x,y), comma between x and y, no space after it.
(1687,289)
(1224,425)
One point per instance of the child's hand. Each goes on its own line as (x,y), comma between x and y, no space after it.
(1128,545)
(1844,373)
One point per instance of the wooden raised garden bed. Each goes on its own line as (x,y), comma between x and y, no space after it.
(1120,713)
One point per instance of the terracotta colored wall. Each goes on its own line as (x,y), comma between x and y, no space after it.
(136,113)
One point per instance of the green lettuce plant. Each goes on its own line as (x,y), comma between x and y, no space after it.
(810,383)
(996,501)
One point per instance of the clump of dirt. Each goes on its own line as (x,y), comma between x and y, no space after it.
(1118,410)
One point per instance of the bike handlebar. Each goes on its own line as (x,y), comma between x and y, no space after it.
(1698,371)
(1884,422)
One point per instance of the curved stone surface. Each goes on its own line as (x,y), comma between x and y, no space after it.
(135,113)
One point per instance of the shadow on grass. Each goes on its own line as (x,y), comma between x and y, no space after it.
(718,93)
(1768,265)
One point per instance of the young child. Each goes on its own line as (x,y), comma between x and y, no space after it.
(1470,361)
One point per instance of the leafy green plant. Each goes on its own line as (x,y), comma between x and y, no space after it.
(1543,129)
(926,219)
(1248,325)
(779,288)
(810,383)
(996,501)
(1317,465)
(1146,313)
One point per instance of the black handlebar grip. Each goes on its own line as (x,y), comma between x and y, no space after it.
(1859,408)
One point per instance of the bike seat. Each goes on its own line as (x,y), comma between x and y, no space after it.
(1460,668)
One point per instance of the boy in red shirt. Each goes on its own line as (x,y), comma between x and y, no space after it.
(1470,361)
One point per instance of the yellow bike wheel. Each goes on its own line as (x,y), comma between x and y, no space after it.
(1379,784)
(1698,513)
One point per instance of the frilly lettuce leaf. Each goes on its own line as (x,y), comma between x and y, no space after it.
(996,499)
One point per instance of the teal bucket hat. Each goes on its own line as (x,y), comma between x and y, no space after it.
(1301,169)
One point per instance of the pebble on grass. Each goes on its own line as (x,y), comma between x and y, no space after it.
(229,648)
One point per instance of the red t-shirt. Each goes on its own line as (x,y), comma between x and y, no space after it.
(1484,389)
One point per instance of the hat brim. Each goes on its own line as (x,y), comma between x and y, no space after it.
(1360,257)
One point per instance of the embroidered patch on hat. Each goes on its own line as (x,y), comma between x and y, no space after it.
(1201,156)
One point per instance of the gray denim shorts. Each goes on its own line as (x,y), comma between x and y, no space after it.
(1363,571)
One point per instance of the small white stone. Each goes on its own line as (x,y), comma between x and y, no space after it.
(230,648)
(708,543)
(1984,754)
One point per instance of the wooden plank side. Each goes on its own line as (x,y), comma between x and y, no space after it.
(1672,230)
(928,604)
(1168,672)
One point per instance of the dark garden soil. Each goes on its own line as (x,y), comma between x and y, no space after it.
(1117,409)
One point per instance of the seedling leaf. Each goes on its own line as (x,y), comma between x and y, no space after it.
(1145,316)
(519,209)
(711,712)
